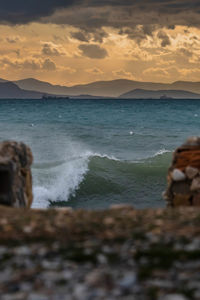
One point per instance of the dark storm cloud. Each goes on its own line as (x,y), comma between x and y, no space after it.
(93,51)
(89,35)
(49,50)
(24,11)
(81,36)
(165,41)
(89,16)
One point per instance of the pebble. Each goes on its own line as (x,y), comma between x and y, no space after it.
(37,297)
(79,292)
(174,297)
(128,281)
(121,206)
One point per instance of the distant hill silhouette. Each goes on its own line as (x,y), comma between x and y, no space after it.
(9,90)
(33,88)
(113,88)
(161,94)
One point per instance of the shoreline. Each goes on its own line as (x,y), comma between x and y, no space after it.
(119,253)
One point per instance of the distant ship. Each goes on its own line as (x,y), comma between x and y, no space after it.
(165,97)
(46,97)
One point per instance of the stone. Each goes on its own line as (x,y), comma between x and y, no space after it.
(196,200)
(191,172)
(128,281)
(180,187)
(195,186)
(37,297)
(178,175)
(181,200)
(15,174)
(174,297)
(192,141)
(183,179)
(121,206)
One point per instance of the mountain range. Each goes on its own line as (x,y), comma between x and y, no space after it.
(9,90)
(120,88)
(113,88)
(161,94)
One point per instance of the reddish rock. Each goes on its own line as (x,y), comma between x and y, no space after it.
(181,200)
(184,175)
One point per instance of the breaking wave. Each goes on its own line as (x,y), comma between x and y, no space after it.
(95,175)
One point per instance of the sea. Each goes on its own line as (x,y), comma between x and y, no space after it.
(96,153)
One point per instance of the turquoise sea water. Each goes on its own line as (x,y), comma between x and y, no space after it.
(94,153)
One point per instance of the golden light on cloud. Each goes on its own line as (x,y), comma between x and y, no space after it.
(63,54)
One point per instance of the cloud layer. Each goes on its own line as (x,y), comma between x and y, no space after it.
(24,11)
(86,40)
(98,13)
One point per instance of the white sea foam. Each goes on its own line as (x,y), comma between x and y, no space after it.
(161,152)
(56,181)
(62,183)
(111,157)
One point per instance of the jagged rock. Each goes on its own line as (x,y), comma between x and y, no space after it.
(15,174)
(191,172)
(178,175)
(183,176)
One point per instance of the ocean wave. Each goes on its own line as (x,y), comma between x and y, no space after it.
(60,182)
(94,174)
(110,157)
(161,152)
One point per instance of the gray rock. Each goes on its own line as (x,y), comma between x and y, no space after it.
(195,186)
(178,175)
(16,296)
(191,172)
(128,281)
(37,297)
(173,297)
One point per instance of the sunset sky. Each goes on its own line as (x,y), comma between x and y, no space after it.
(70,42)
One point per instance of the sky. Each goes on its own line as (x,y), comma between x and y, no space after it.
(70,42)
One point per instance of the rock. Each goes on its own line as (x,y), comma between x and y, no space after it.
(192,141)
(181,200)
(15,296)
(174,297)
(191,172)
(182,178)
(15,174)
(37,297)
(128,281)
(79,292)
(195,186)
(196,200)
(95,278)
(108,221)
(121,206)
(178,175)
(180,187)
